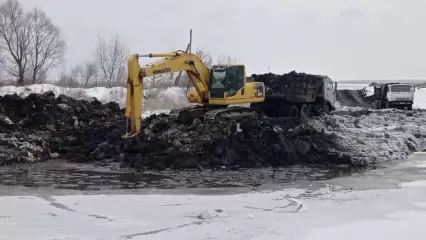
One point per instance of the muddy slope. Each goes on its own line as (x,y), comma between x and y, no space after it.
(42,127)
(354,98)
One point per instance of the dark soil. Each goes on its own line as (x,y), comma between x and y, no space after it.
(354,98)
(291,85)
(43,127)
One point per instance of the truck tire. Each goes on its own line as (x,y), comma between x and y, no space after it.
(377,104)
(410,107)
(326,108)
(304,111)
(294,112)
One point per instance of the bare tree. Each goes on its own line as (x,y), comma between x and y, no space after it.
(47,47)
(206,57)
(65,79)
(111,61)
(15,37)
(2,66)
(227,60)
(90,74)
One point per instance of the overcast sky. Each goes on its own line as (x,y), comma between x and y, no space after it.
(357,39)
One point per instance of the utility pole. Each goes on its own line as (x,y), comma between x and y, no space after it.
(190,40)
(188,50)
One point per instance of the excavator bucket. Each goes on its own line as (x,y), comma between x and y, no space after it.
(134,98)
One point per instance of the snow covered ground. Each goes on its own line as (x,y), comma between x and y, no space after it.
(330,212)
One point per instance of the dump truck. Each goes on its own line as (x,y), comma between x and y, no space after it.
(393,95)
(297,94)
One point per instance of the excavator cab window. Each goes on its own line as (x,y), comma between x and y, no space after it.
(217,89)
(226,79)
(234,79)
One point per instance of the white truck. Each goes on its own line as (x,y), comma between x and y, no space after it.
(393,95)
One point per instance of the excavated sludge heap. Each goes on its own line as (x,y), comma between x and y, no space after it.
(42,127)
(280,85)
(355,98)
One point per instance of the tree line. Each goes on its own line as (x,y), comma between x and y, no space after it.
(31,46)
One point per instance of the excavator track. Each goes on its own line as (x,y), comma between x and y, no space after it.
(211,115)
(228,114)
(187,114)
(215,115)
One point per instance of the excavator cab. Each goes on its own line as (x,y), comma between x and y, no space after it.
(228,86)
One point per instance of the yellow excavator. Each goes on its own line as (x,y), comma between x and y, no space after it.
(214,90)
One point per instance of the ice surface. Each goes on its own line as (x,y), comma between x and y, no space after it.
(330,212)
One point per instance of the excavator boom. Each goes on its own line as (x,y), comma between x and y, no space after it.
(173,62)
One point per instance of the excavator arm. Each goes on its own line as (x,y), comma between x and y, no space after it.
(198,73)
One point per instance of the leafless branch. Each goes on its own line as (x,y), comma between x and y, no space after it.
(15,37)
(90,74)
(206,57)
(2,66)
(227,60)
(111,61)
(47,47)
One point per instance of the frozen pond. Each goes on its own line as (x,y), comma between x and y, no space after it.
(386,203)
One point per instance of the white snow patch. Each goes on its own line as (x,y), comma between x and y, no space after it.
(419,183)
(420,98)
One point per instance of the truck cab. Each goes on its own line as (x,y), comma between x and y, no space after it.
(400,95)
(330,92)
(394,95)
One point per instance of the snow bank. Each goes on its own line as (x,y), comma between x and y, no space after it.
(420,98)
(374,136)
(159,100)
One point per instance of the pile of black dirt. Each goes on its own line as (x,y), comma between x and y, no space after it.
(283,86)
(41,127)
(254,141)
(360,137)
(354,98)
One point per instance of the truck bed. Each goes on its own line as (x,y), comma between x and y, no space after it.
(291,87)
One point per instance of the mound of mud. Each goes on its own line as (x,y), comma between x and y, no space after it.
(252,142)
(282,86)
(41,127)
(354,98)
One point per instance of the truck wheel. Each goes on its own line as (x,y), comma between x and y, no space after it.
(410,107)
(326,108)
(294,112)
(377,104)
(304,111)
